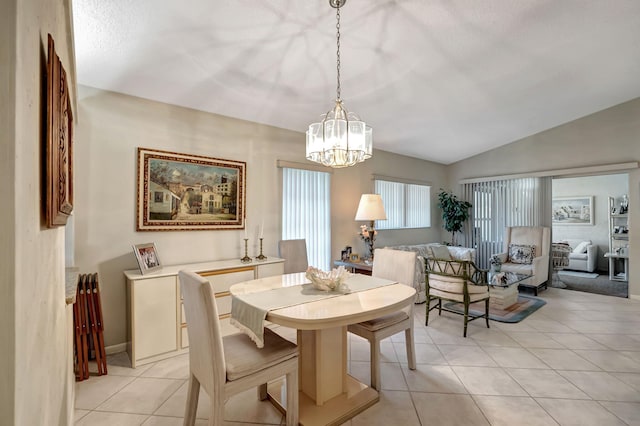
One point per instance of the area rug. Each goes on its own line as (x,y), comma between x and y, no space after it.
(578,274)
(525,306)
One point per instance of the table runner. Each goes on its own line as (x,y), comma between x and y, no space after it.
(248,311)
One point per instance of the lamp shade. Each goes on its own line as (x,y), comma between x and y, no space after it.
(371,208)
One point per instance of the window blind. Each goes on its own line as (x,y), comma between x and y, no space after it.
(306,212)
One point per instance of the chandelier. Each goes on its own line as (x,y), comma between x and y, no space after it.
(341,139)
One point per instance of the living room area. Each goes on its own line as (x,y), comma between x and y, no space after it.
(591,232)
(262,78)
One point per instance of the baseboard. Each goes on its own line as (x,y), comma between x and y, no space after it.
(634,296)
(115,349)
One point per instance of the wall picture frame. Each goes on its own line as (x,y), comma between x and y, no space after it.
(184,192)
(147,257)
(59,142)
(572,210)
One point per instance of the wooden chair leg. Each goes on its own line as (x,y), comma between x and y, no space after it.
(292,398)
(411,353)
(216,417)
(439,307)
(375,364)
(426,320)
(466,317)
(486,311)
(192,401)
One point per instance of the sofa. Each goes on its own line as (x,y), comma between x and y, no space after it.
(583,256)
(426,251)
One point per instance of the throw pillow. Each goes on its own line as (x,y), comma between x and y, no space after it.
(522,254)
(582,247)
(440,252)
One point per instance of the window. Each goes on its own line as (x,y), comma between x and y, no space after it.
(408,205)
(306,212)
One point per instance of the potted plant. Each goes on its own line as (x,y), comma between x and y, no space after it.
(454,212)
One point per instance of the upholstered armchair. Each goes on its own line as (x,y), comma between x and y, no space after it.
(526,251)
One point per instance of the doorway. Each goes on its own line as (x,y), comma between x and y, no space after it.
(582,217)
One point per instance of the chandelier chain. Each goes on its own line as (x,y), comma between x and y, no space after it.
(338,49)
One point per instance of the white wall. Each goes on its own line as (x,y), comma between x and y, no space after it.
(37,382)
(600,188)
(113,125)
(607,137)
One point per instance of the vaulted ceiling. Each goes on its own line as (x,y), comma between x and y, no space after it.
(440,80)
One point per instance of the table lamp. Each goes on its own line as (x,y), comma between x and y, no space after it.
(370,208)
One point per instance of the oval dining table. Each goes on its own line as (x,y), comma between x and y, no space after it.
(328,394)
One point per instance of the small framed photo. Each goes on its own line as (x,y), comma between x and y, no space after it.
(354,257)
(147,256)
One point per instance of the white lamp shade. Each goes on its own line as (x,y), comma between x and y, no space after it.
(371,208)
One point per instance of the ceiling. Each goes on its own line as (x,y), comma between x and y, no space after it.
(440,80)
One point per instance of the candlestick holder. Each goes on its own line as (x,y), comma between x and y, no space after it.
(261,256)
(246,258)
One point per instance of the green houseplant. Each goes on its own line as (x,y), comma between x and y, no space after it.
(454,212)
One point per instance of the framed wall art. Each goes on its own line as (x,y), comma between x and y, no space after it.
(572,210)
(182,192)
(59,143)
(147,257)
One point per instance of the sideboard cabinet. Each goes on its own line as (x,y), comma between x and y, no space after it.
(157,327)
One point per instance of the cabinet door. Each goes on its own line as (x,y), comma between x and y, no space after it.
(155,323)
(270,269)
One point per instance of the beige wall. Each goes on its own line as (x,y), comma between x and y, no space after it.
(37,383)
(607,137)
(113,125)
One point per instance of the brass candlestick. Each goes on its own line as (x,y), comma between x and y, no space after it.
(261,256)
(246,258)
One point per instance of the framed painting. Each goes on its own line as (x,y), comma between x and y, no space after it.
(147,257)
(59,143)
(182,192)
(572,210)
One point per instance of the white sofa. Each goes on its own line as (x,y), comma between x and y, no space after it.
(425,250)
(583,257)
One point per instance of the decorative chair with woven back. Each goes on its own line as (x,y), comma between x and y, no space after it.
(456,281)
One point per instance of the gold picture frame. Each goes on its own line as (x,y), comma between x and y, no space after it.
(183,192)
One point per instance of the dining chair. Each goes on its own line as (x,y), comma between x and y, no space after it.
(227,365)
(294,253)
(397,266)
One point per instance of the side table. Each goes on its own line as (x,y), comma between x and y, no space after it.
(355,267)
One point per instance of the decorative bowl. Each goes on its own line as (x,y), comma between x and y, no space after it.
(334,280)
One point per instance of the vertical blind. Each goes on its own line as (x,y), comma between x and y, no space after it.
(406,205)
(501,203)
(306,213)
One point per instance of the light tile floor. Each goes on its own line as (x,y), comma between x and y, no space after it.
(576,361)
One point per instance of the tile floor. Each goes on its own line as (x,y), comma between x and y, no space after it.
(576,361)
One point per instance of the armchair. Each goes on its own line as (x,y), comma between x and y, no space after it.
(526,251)
(457,281)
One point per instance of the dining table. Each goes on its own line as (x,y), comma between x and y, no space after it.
(328,394)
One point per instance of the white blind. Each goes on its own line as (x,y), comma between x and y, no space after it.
(406,205)
(306,212)
(501,203)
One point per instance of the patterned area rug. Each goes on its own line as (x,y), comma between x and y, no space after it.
(525,306)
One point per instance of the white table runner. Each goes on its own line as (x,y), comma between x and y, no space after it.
(248,311)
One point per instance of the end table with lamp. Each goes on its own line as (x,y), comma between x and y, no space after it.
(371,208)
